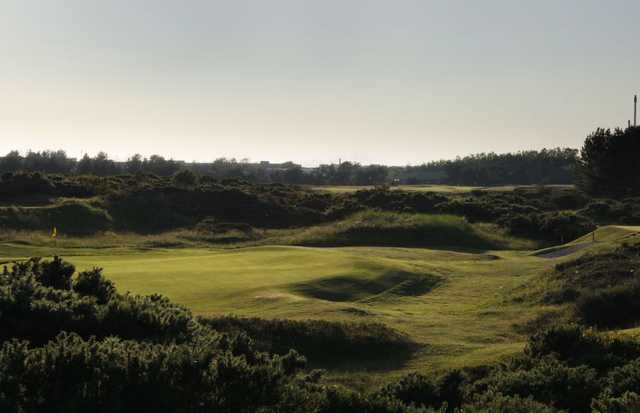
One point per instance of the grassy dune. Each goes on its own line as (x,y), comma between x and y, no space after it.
(377,228)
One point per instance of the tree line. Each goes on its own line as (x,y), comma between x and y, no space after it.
(547,166)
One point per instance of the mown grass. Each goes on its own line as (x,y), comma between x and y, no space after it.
(458,306)
(464,315)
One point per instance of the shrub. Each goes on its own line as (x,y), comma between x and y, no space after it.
(577,346)
(499,403)
(565,226)
(617,306)
(93,283)
(627,403)
(443,392)
(547,380)
(56,274)
(185,178)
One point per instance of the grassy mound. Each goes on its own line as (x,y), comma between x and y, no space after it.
(603,288)
(69,217)
(355,288)
(320,341)
(377,228)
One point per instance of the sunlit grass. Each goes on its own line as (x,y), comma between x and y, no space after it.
(465,313)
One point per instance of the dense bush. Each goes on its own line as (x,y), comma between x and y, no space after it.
(605,287)
(93,283)
(16,185)
(563,369)
(70,217)
(612,307)
(443,392)
(565,226)
(33,311)
(499,403)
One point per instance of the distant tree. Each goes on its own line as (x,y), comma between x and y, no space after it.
(134,164)
(370,175)
(609,161)
(160,166)
(12,162)
(48,161)
(100,165)
(85,165)
(293,175)
(103,166)
(185,178)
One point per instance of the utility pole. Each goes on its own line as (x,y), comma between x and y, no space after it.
(635,110)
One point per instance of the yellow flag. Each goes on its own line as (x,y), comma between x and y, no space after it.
(54,232)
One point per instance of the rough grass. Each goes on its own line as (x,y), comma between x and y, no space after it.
(342,345)
(378,228)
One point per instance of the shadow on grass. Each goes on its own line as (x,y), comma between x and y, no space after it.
(331,345)
(357,288)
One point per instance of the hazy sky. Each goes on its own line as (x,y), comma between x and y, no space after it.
(373,81)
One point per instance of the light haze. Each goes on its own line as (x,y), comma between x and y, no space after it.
(393,82)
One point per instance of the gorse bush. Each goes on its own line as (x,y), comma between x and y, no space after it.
(563,369)
(604,287)
(70,374)
(92,283)
(37,312)
(444,392)
(612,307)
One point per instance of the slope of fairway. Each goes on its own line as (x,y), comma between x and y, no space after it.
(601,238)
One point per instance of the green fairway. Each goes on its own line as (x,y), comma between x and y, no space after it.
(452,303)
(457,305)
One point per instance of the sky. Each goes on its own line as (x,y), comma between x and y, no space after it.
(392,82)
